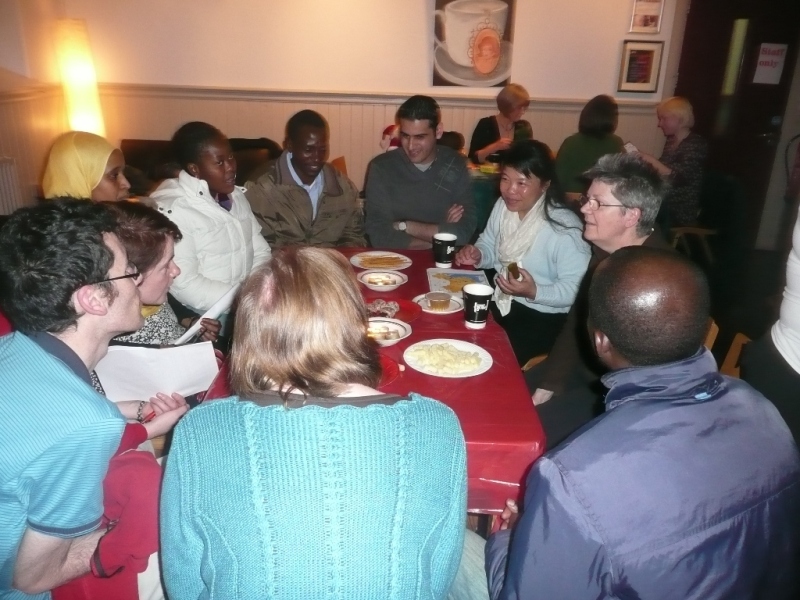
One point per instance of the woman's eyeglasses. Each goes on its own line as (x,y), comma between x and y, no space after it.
(594,203)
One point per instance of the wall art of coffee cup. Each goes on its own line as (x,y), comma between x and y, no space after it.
(473,32)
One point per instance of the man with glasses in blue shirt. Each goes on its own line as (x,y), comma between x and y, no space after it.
(619,210)
(67,287)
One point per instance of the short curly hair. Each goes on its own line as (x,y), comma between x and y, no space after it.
(47,252)
(652,304)
(191,139)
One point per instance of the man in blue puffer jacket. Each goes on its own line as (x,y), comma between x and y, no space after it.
(688,486)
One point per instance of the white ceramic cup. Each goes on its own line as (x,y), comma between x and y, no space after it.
(462,20)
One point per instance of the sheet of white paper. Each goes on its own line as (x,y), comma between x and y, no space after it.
(219,307)
(129,373)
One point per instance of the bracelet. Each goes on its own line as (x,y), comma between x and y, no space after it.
(139,416)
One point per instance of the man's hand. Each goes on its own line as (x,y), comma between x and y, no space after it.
(167,411)
(209,332)
(525,287)
(454,213)
(469,255)
(509,516)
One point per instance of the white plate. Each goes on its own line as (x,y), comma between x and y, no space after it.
(357,260)
(486,358)
(456,304)
(459,75)
(396,276)
(404,329)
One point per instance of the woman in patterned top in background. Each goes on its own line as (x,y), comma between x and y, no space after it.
(681,163)
(149,238)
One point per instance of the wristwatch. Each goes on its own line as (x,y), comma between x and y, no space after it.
(401,226)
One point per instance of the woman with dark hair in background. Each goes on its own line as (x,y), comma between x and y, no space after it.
(595,138)
(530,227)
(495,134)
(222,240)
(311,483)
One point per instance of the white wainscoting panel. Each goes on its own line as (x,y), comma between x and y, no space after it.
(356,120)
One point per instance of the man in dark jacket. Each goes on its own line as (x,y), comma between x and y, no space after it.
(687,487)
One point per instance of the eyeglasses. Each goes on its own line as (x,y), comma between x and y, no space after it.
(134,275)
(595,204)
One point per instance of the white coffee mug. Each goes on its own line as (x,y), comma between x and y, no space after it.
(463,20)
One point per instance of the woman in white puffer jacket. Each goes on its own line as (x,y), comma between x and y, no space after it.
(222,240)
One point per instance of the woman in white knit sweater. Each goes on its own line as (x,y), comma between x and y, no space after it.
(222,240)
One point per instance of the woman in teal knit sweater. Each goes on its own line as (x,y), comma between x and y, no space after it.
(310,483)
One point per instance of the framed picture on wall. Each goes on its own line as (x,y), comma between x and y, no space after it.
(646,16)
(641,64)
(473,42)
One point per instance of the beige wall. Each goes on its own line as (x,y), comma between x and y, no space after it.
(29,120)
(561,49)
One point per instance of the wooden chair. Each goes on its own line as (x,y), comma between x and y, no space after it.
(533,362)
(158,445)
(340,164)
(730,366)
(711,335)
(680,237)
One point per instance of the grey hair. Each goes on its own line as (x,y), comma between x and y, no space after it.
(634,182)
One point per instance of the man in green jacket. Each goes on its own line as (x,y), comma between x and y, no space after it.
(299,199)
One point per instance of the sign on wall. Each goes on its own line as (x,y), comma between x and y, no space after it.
(771,58)
(473,42)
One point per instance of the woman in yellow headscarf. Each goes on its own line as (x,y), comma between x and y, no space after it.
(85,165)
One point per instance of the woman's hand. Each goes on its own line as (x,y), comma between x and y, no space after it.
(501,144)
(468,255)
(662,169)
(209,332)
(525,287)
(165,412)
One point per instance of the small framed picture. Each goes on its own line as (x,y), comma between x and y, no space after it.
(646,16)
(640,66)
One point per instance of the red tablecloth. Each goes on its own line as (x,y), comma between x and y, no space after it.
(500,424)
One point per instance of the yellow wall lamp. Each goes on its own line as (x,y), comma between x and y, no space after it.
(78,76)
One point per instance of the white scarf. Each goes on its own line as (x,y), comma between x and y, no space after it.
(515,239)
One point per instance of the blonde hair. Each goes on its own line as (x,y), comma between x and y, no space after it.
(76,164)
(512,97)
(680,107)
(301,326)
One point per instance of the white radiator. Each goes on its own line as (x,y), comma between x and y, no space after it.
(10,195)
